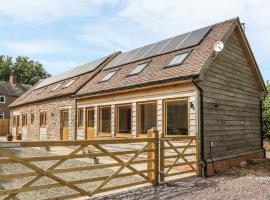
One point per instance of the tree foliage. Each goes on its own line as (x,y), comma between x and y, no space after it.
(26,70)
(266,113)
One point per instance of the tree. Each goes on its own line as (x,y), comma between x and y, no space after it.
(5,67)
(26,70)
(266,113)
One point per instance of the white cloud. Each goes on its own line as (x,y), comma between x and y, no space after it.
(38,47)
(42,11)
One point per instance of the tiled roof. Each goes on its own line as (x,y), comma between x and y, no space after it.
(90,82)
(155,72)
(37,93)
(17,89)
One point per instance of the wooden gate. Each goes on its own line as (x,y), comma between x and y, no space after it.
(4,127)
(115,163)
(178,156)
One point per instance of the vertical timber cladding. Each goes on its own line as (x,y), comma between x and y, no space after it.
(231,104)
(52,129)
(157,94)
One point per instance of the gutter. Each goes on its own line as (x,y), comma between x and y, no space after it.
(202,160)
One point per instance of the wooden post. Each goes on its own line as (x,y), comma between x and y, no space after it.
(162,152)
(150,155)
(156,167)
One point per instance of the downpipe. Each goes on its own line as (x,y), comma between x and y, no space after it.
(202,162)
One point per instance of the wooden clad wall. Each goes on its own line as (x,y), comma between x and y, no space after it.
(231,104)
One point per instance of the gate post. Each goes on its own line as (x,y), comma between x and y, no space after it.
(162,153)
(153,133)
(156,167)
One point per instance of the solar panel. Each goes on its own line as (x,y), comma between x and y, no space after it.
(71,73)
(175,43)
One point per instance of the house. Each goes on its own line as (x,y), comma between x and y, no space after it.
(204,83)
(9,92)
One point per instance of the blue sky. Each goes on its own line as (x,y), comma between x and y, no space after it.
(62,34)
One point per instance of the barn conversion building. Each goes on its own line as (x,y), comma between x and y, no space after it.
(181,86)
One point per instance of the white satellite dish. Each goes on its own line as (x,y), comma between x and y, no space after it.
(218,46)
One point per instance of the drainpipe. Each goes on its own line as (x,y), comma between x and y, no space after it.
(202,160)
(261,121)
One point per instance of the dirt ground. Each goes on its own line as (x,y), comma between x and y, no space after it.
(250,181)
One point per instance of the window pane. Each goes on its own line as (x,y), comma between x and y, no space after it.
(80,117)
(105,120)
(69,83)
(90,118)
(177,117)
(124,119)
(66,119)
(178,59)
(138,69)
(108,76)
(148,117)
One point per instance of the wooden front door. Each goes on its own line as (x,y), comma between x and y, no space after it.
(64,119)
(89,130)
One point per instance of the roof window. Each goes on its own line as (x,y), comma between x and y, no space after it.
(108,76)
(138,69)
(57,86)
(69,83)
(178,59)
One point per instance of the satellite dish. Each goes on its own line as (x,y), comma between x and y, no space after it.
(218,46)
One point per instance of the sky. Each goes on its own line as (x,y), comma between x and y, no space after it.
(62,34)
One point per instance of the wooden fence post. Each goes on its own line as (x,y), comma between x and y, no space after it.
(162,153)
(150,155)
(156,167)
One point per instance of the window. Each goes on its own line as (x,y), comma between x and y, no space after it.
(2,115)
(108,76)
(57,86)
(24,119)
(147,116)
(176,117)
(178,59)
(43,119)
(80,117)
(32,118)
(41,90)
(104,115)
(123,113)
(16,120)
(2,99)
(69,83)
(138,69)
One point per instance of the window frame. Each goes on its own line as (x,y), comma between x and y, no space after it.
(32,118)
(43,119)
(116,117)
(164,110)
(138,114)
(42,90)
(80,121)
(56,87)
(134,74)
(69,83)
(112,71)
(99,133)
(4,98)
(2,114)
(24,120)
(173,65)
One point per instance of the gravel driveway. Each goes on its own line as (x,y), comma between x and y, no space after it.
(250,182)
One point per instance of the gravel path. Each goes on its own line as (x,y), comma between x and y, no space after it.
(249,183)
(48,193)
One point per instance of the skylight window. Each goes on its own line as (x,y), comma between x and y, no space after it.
(138,69)
(69,83)
(57,86)
(178,59)
(108,76)
(42,90)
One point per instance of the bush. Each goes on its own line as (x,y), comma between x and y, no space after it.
(266,114)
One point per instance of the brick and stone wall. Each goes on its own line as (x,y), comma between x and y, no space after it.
(52,129)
